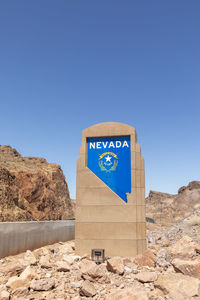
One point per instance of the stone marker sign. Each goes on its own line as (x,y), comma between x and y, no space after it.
(110,193)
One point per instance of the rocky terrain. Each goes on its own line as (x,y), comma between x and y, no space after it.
(168,269)
(167,209)
(32,189)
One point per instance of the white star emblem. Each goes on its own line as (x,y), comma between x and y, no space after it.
(108,158)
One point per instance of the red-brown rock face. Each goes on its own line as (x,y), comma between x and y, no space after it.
(32,189)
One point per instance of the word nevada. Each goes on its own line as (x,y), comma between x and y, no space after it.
(108,145)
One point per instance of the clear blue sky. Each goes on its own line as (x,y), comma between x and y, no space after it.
(66,65)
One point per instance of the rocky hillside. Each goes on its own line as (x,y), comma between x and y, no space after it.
(168,209)
(32,189)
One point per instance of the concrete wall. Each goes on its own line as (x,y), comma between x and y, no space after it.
(16,237)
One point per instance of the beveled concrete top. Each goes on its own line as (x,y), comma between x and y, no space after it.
(108,129)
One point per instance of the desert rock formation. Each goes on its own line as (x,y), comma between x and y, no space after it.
(167,209)
(32,189)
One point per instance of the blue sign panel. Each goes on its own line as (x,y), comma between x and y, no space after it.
(109,158)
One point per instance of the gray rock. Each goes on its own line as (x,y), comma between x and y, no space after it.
(42,284)
(127,269)
(75,285)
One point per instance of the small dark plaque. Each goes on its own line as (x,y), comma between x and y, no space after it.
(98,255)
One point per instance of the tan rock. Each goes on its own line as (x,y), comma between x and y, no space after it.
(100,275)
(127,260)
(183,248)
(115,265)
(87,289)
(45,262)
(147,258)
(93,272)
(63,266)
(178,285)
(66,249)
(77,298)
(5,295)
(70,259)
(30,257)
(14,282)
(42,284)
(12,269)
(28,274)
(166,243)
(187,267)
(86,265)
(156,294)
(129,265)
(21,292)
(23,280)
(128,294)
(146,276)
(41,252)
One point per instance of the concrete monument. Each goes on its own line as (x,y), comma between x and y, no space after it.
(110,192)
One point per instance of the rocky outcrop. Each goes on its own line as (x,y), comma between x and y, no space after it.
(167,209)
(32,189)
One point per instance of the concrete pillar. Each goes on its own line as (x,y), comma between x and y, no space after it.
(103,219)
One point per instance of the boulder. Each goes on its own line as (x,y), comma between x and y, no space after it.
(93,272)
(146,276)
(183,248)
(75,285)
(128,294)
(115,265)
(63,266)
(86,265)
(45,262)
(70,259)
(41,252)
(14,282)
(178,285)
(28,274)
(87,289)
(147,258)
(23,280)
(187,267)
(66,249)
(30,257)
(42,284)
